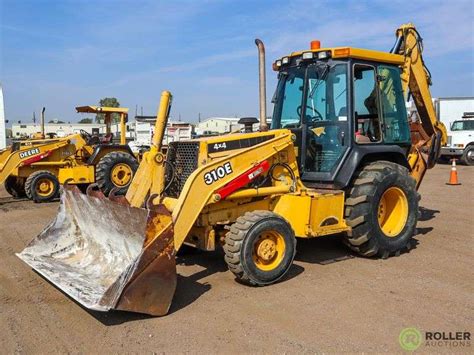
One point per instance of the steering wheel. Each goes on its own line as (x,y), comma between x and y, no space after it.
(86,135)
(314,118)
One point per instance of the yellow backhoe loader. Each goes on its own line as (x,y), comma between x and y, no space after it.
(36,167)
(340,157)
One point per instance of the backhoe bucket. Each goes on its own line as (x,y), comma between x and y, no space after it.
(107,255)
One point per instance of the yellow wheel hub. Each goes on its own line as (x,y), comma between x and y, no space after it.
(44,187)
(269,250)
(393,211)
(121,174)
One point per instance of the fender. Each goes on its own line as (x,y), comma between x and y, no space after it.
(99,149)
(362,154)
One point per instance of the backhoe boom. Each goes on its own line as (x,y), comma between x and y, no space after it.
(429,134)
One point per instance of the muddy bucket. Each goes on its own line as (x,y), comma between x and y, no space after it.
(107,255)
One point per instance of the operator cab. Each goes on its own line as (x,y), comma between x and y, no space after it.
(341,109)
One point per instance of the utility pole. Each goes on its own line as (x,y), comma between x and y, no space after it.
(199,117)
(34,117)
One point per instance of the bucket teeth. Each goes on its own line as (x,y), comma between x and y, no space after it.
(93,190)
(120,199)
(149,202)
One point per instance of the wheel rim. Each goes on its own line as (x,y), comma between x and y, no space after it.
(44,187)
(121,174)
(470,156)
(268,251)
(392,211)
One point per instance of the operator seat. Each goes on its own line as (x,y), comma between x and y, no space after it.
(107,138)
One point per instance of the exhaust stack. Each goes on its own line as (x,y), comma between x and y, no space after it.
(42,122)
(262,85)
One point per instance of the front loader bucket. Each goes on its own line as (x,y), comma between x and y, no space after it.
(106,255)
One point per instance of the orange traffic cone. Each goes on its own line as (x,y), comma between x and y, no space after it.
(453,178)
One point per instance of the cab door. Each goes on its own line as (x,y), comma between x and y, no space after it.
(395,125)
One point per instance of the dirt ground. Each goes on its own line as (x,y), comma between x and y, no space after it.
(331,301)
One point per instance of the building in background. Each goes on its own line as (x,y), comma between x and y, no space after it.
(218,125)
(3,138)
(26,130)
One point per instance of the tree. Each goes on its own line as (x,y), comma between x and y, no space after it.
(86,120)
(108,102)
(56,121)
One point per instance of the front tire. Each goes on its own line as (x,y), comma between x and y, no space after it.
(468,156)
(382,209)
(260,248)
(115,169)
(42,186)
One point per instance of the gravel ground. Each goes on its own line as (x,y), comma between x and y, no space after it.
(331,300)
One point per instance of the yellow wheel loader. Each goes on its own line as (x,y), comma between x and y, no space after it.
(340,157)
(35,168)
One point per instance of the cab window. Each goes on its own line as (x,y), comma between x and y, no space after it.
(290,87)
(394,113)
(325,116)
(366,112)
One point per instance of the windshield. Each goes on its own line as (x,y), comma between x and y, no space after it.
(463,125)
(325,87)
(287,98)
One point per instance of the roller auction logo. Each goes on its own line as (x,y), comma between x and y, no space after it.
(411,339)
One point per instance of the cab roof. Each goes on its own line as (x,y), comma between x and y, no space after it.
(101,109)
(357,53)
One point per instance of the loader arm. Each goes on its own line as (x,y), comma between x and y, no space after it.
(26,156)
(428,134)
(149,177)
(197,193)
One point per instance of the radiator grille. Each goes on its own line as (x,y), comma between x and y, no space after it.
(183,156)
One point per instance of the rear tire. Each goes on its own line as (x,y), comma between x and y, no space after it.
(260,248)
(42,186)
(468,156)
(115,169)
(382,209)
(15,186)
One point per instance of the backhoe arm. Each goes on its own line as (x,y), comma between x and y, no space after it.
(428,134)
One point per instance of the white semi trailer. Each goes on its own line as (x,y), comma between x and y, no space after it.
(144,131)
(457,114)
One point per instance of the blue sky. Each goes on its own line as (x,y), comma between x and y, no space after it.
(64,53)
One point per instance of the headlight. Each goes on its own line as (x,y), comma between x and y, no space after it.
(276,65)
(307,55)
(323,55)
